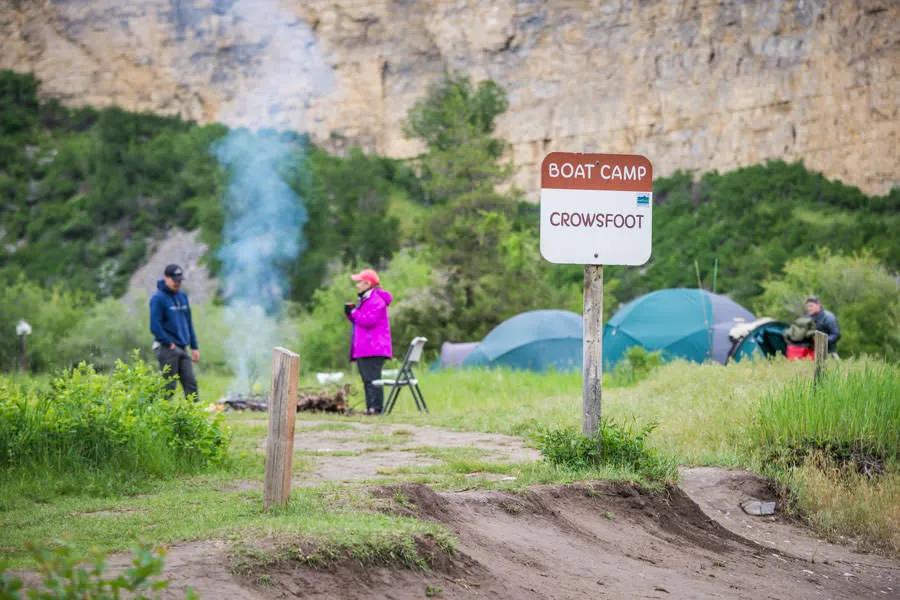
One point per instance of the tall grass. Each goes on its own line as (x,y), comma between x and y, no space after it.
(834,447)
(853,409)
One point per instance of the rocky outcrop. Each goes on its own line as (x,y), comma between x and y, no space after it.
(694,85)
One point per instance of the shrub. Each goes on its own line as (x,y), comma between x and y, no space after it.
(125,422)
(67,574)
(107,331)
(636,366)
(621,446)
(51,312)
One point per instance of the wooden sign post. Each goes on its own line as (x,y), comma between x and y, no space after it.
(820,352)
(282,417)
(592,387)
(596,209)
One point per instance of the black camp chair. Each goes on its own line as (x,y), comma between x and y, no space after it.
(405,377)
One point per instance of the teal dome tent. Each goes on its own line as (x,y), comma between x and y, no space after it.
(681,323)
(539,340)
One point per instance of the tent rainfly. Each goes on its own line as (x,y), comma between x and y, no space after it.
(539,340)
(681,323)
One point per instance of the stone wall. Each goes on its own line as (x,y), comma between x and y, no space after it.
(694,85)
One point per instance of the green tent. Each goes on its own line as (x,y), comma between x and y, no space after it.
(539,340)
(681,323)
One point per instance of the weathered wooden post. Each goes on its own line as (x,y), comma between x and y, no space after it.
(820,350)
(282,417)
(592,386)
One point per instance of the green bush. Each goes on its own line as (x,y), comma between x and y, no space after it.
(124,422)
(83,190)
(847,412)
(67,574)
(636,366)
(50,312)
(858,289)
(621,446)
(107,331)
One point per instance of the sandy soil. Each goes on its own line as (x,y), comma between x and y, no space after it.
(377,447)
(597,540)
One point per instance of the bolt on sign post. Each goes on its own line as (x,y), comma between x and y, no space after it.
(282,417)
(596,209)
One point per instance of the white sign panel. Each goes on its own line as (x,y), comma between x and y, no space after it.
(596,209)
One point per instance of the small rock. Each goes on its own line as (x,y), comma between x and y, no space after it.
(758,508)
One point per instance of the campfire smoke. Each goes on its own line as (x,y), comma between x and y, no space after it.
(264,217)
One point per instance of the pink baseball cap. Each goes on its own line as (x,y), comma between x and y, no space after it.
(366,275)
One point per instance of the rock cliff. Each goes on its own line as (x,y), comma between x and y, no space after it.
(692,84)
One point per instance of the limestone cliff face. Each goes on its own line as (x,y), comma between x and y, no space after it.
(692,84)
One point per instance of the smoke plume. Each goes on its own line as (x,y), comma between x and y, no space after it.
(264,217)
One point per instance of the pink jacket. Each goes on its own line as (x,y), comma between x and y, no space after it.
(371,328)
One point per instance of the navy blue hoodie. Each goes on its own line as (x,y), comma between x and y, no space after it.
(170,317)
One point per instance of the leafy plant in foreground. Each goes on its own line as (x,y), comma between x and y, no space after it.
(125,422)
(623,446)
(67,573)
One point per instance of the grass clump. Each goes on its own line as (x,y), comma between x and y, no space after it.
(852,416)
(635,367)
(124,425)
(620,446)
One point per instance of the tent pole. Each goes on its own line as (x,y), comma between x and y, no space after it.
(715,273)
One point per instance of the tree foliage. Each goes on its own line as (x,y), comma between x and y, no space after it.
(455,120)
(83,190)
(754,220)
(863,295)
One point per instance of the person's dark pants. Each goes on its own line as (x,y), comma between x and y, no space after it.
(178,361)
(370,370)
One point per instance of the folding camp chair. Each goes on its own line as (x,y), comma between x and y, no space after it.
(405,377)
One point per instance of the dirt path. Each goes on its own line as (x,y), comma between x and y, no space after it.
(598,540)
(365,451)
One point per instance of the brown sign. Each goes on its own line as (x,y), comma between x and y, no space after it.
(576,171)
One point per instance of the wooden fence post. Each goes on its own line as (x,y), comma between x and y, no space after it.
(592,357)
(282,417)
(820,349)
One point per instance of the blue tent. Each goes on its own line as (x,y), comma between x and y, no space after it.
(681,323)
(539,340)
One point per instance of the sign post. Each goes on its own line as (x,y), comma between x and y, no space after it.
(596,209)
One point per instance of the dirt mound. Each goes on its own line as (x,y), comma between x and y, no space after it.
(577,541)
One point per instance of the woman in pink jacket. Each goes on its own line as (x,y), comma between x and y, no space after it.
(370,344)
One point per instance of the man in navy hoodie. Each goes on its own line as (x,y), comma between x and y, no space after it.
(173,330)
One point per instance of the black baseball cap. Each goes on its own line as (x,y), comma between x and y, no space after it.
(175,272)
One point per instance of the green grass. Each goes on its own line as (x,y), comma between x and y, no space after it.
(847,408)
(330,521)
(706,414)
(702,411)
